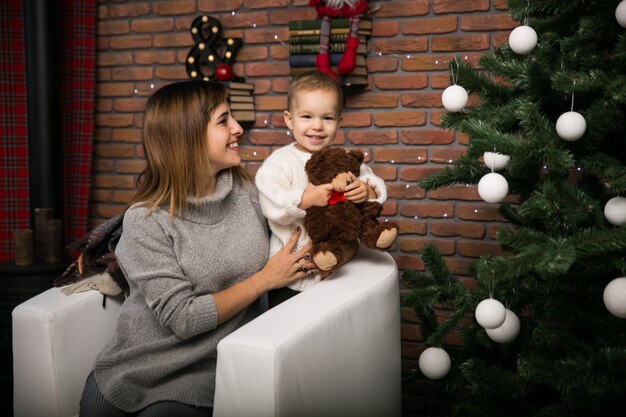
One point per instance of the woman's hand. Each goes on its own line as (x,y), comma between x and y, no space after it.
(285,267)
(280,270)
(315,195)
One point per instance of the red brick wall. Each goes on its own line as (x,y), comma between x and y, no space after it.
(143,45)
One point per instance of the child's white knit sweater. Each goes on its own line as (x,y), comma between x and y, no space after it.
(281,181)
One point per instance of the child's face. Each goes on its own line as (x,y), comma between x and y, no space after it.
(313,119)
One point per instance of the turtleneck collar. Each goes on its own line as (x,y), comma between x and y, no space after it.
(215,207)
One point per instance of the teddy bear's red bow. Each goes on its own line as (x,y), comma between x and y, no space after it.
(336,197)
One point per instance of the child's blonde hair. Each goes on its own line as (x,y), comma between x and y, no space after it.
(313,81)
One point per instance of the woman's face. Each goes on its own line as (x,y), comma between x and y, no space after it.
(221,139)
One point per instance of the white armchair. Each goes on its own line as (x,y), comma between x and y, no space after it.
(333,350)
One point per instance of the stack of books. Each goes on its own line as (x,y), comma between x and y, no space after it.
(240,100)
(304,45)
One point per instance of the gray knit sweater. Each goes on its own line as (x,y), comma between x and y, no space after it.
(164,347)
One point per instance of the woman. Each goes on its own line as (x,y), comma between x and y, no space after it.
(195,253)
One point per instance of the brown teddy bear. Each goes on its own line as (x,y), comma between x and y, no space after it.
(335,227)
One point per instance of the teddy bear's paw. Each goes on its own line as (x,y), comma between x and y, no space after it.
(386,238)
(325,260)
(341,181)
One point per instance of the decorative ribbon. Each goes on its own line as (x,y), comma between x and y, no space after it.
(336,197)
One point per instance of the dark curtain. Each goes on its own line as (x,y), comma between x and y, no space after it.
(78,86)
(14,192)
(78,90)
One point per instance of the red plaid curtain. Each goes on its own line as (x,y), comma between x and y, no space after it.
(78,109)
(14,193)
(78,106)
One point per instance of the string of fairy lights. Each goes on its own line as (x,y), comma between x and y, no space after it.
(438,61)
(493,187)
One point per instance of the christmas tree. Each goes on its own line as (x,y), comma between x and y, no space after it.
(544,329)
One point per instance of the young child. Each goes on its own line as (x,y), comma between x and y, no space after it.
(313,114)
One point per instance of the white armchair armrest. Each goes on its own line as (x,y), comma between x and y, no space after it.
(55,341)
(333,350)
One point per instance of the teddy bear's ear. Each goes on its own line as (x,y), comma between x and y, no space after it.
(356,154)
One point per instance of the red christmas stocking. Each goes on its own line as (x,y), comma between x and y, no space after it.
(322,60)
(347,64)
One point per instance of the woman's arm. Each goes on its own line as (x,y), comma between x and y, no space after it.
(281,269)
(147,258)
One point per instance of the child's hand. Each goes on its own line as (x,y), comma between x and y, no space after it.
(357,191)
(341,181)
(315,195)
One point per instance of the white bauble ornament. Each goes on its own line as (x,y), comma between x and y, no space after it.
(490,313)
(615,297)
(571,126)
(434,363)
(615,211)
(507,331)
(523,40)
(620,13)
(495,161)
(454,98)
(493,187)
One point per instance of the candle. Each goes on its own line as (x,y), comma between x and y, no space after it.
(42,216)
(53,242)
(23,246)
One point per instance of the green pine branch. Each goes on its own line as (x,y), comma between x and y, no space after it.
(465,170)
(560,250)
(610,171)
(439,287)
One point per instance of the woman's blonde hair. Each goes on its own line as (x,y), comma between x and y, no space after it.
(175,145)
